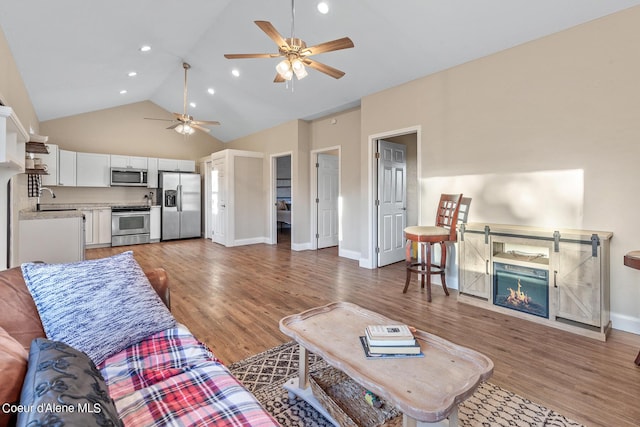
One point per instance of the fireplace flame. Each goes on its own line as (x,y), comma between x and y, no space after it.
(518,298)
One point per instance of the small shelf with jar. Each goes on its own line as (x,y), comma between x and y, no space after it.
(35,145)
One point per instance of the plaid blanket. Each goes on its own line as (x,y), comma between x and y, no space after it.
(170,378)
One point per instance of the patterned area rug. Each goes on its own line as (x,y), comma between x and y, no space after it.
(265,373)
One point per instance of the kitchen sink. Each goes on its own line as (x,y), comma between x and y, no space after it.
(39,209)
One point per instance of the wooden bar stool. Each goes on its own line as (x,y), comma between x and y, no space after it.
(426,236)
(632,259)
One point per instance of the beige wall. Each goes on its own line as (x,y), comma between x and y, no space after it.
(123,130)
(343,130)
(288,138)
(567,103)
(13,92)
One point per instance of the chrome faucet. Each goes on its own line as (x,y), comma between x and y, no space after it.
(53,195)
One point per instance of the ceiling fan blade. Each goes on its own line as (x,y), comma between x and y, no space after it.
(272,33)
(333,72)
(205,122)
(250,55)
(278,79)
(195,126)
(163,120)
(174,126)
(343,43)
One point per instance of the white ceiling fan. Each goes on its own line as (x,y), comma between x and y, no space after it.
(295,52)
(184,123)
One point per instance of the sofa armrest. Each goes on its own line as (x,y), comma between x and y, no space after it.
(160,282)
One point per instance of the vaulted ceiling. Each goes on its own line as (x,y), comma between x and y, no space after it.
(75,55)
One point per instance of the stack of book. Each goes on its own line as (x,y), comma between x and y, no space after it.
(390,341)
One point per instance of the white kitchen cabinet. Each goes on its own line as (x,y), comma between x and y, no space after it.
(51,240)
(167,164)
(176,165)
(97,226)
(152,172)
(66,168)
(133,162)
(93,170)
(186,165)
(51,160)
(88,226)
(154,224)
(13,137)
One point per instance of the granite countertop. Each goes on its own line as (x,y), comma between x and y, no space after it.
(70,210)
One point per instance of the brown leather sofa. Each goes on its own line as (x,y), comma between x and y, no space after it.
(20,320)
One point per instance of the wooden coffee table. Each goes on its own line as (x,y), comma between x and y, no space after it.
(426,390)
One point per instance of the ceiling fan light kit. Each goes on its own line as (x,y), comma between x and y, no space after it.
(186,125)
(184,129)
(295,52)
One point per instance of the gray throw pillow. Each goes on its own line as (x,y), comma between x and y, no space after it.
(63,387)
(99,307)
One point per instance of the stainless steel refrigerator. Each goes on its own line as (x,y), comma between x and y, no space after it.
(180,205)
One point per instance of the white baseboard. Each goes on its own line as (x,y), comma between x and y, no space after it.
(301,246)
(349,254)
(250,241)
(623,322)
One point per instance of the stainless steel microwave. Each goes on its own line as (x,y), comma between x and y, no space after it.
(125,177)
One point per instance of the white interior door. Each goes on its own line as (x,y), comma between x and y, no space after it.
(392,198)
(218,201)
(327,200)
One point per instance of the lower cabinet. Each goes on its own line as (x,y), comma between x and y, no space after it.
(97,227)
(556,277)
(51,240)
(154,224)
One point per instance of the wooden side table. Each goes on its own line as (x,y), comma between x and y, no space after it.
(632,259)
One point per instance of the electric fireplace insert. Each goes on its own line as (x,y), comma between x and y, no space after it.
(521,288)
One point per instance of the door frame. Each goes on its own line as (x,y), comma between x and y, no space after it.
(273,179)
(371,259)
(313,191)
(206,200)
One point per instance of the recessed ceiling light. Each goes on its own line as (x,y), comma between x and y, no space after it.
(235,72)
(132,74)
(210,91)
(193,104)
(323,7)
(145,48)
(123,91)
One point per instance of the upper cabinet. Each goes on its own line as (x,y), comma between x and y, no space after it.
(176,165)
(13,137)
(133,162)
(67,168)
(93,170)
(152,172)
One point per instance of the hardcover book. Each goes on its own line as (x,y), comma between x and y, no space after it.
(389,332)
(373,355)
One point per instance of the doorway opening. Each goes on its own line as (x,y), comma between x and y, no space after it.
(283,203)
(394,194)
(326,215)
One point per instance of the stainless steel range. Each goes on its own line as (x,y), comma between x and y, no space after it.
(129,225)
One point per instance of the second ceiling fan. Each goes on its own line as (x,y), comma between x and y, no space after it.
(295,52)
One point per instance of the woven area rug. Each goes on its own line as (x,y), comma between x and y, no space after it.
(265,373)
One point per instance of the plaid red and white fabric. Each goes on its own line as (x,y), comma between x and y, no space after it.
(172,379)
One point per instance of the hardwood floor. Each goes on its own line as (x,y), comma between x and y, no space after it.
(233,298)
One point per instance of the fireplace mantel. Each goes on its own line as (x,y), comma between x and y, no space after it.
(574,264)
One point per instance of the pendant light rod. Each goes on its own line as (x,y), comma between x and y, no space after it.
(184,106)
(293,19)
